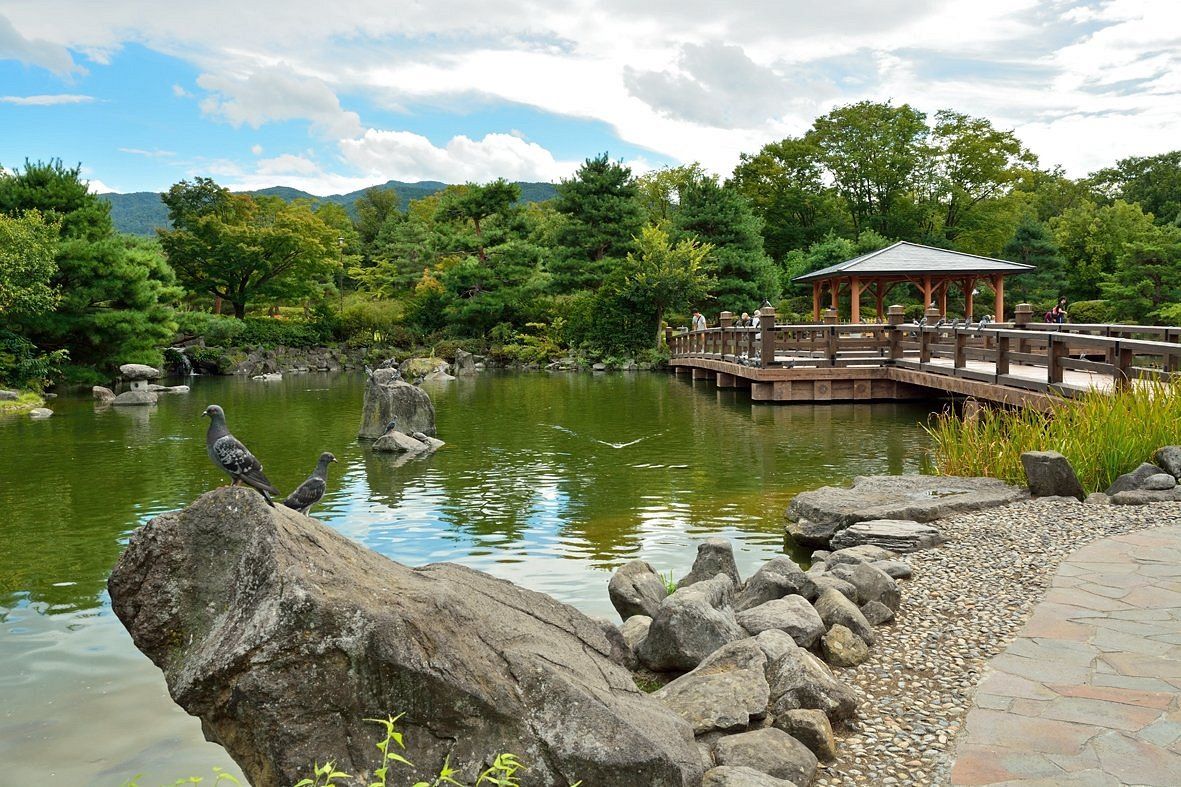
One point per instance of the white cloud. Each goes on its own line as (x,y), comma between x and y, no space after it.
(50,100)
(34,51)
(687,79)
(277,93)
(148,153)
(287,164)
(180,92)
(402,155)
(256,149)
(96,186)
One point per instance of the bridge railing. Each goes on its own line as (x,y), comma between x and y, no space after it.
(1035,356)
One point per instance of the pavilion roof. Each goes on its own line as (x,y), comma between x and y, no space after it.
(906,258)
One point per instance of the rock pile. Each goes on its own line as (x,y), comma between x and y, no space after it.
(139,377)
(1050,475)
(388,396)
(750,656)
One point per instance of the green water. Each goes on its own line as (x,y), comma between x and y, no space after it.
(550,481)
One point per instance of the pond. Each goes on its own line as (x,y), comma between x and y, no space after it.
(550,481)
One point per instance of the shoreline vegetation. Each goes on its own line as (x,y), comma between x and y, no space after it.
(591,272)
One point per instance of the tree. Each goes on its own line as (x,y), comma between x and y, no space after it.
(663,274)
(784,184)
(28,244)
(239,247)
(1032,245)
(116,292)
(877,156)
(476,203)
(719,216)
(1093,238)
(374,207)
(660,190)
(602,213)
(1152,181)
(1147,277)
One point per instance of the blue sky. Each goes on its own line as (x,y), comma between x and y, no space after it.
(333,98)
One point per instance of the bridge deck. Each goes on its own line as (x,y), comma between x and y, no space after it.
(1023,366)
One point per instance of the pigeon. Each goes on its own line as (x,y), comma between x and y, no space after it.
(391,426)
(228,453)
(312,490)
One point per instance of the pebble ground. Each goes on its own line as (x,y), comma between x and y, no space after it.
(966,603)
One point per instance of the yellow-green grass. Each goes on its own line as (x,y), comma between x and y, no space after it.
(22,404)
(1102,434)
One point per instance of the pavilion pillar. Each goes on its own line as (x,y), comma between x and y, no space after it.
(943,288)
(835,287)
(998,286)
(855,297)
(815,301)
(927,299)
(969,299)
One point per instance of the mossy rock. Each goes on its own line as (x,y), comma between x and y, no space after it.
(418,367)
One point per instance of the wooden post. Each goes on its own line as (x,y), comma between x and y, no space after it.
(1056,348)
(816,301)
(924,345)
(767,334)
(855,299)
(1022,316)
(943,288)
(926,292)
(668,336)
(960,336)
(726,321)
(1123,369)
(830,316)
(969,298)
(998,286)
(835,287)
(832,345)
(896,316)
(1002,355)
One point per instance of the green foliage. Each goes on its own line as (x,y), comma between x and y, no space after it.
(1092,432)
(1093,239)
(219,777)
(28,244)
(1152,181)
(1090,312)
(1031,244)
(221,331)
(602,213)
(378,321)
(659,274)
(323,776)
(670,584)
(743,276)
(539,344)
(241,248)
(23,366)
(1147,278)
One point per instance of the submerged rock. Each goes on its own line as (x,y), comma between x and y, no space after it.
(387,396)
(396,442)
(283,636)
(102,395)
(136,398)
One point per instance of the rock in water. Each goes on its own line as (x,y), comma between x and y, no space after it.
(387,397)
(102,395)
(283,636)
(1050,475)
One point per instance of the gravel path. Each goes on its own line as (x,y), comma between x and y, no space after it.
(965,604)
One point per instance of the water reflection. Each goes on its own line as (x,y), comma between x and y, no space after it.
(546,480)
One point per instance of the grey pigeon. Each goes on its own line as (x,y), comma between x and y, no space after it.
(391,426)
(311,491)
(228,453)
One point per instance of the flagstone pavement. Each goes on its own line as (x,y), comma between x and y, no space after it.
(1089,693)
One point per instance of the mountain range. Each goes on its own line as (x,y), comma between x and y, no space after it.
(142,212)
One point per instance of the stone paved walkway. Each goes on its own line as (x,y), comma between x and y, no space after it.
(1090,691)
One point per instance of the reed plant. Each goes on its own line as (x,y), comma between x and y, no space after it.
(1102,434)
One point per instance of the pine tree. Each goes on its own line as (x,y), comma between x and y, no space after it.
(602,216)
(719,216)
(1032,245)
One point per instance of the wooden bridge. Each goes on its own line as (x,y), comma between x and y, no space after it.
(1018,363)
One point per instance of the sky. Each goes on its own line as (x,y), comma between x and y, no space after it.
(332,97)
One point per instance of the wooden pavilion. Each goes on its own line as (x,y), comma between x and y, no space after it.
(931,270)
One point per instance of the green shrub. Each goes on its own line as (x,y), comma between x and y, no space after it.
(371,322)
(1102,434)
(22,365)
(221,331)
(1085,312)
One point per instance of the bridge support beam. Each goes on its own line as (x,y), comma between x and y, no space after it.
(701,374)
(726,380)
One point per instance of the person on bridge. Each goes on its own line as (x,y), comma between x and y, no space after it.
(1058,313)
(698,321)
(745,321)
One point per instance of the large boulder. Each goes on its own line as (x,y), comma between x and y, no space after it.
(871,582)
(811,728)
(843,648)
(395,442)
(896,535)
(725,692)
(837,610)
(283,636)
(778,577)
(800,680)
(1050,475)
(465,364)
(636,589)
(138,397)
(420,367)
(689,626)
(102,395)
(1168,458)
(714,556)
(811,534)
(1134,480)
(792,615)
(388,396)
(921,498)
(770,751)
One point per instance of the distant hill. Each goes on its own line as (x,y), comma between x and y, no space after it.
(142,212)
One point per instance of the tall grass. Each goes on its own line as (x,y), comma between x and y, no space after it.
(1102,434)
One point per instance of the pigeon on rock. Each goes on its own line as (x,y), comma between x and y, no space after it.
(311,491)
(228,453)
(390,427)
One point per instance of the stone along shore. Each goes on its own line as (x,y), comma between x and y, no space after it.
(965,603)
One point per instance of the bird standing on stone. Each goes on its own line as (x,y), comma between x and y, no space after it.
(228,453)
(391,426)
(312,490)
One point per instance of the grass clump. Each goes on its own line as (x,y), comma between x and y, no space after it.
(22,404)
(1102,434)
